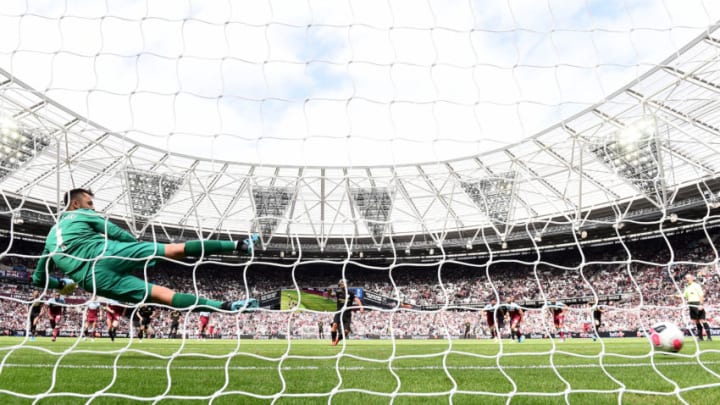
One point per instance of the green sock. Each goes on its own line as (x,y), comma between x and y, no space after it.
(183,301)
(197,247)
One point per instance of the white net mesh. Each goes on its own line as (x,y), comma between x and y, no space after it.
(437,155)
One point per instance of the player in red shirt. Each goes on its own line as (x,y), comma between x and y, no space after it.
(557,310)
(587,320)
(55,313)
(93,313)
(114,312)
(516,316)
(204,320)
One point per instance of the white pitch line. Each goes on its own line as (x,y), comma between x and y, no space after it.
(357,368)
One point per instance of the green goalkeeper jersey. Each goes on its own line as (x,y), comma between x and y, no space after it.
(79,235)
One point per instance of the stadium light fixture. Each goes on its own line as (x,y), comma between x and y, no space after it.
(468,245)
(583,234)
(673,217)
(374,205)
(504,245)
(431,251)
(18,145)
(493,195)
(407,251)
(634,153)
(631,136)
(361,254)
(149,192)
(282,253)
(271,204)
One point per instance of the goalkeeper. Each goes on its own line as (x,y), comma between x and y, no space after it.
(99,256)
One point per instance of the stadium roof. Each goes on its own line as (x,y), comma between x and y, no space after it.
(643,142)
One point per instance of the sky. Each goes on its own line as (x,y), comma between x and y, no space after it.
(338,83)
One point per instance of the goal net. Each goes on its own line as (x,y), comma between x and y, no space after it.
(516,192)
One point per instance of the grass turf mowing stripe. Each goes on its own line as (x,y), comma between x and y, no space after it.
(361,368)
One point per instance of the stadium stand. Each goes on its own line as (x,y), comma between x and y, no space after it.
(633,291)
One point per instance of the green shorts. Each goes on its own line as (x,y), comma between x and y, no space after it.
(112,278)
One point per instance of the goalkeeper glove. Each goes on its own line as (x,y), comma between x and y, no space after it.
(66,286)
(241,305)
(248,245)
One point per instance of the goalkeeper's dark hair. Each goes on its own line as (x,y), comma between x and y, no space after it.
(75,194)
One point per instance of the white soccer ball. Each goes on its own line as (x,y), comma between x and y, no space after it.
(667,337)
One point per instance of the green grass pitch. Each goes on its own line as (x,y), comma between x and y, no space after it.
(360,372)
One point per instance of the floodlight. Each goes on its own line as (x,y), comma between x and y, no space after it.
(374,205)
(18,145)
(634,153)
(632,135)
(149,192)
(271,203)
(629,138)
(493,195)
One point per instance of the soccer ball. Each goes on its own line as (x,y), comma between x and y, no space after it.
(667,337)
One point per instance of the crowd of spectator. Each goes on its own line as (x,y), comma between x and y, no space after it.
(437,300)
